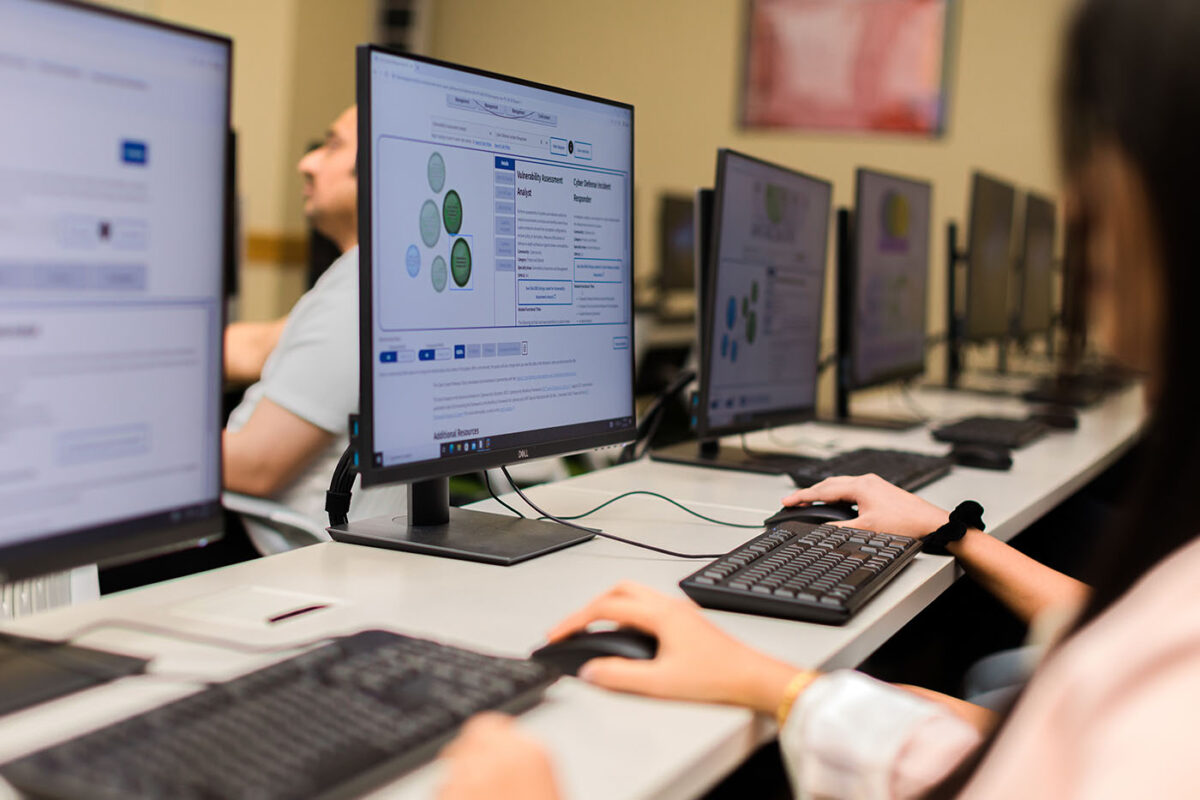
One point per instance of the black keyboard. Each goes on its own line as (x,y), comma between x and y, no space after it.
(817,573)
(1077,395)
(340,718)
(909,471)
(999,431)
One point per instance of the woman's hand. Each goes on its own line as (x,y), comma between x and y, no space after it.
(696,660)
(491,758)
(881,506)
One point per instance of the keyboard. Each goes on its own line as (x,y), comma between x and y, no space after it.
(909,471)
(816,573)
(340,718)
(25,597)
(999,431)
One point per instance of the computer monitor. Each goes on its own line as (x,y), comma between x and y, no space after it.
(887,279)
(676,257)
(761,325)
(112,214)
(1037,267)
(989,258)
(496,234)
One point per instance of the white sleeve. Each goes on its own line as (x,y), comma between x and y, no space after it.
(852,736)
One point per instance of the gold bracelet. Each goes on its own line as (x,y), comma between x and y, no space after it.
(795,686)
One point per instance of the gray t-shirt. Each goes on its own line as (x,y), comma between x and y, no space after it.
(313,373)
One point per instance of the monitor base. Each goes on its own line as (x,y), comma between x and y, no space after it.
(875,423)
(36,671)
(694,454)
(468,535)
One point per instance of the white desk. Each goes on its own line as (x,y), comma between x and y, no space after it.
(604,745)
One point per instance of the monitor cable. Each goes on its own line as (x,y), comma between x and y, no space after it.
(337,499)
(597,531)
(653,418)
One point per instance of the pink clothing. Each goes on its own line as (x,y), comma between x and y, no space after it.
(1113,713)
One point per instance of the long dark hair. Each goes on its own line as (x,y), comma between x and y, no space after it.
(1131,79)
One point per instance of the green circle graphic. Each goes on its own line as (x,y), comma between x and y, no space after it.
(436,172)
(460,262)
(452,212)
(751,327)
(438,273)
(754,292)
(745,306)
(430,228)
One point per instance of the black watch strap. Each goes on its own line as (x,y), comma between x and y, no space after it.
(967,515)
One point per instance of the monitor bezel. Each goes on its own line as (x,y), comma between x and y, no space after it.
(1022,326)
(786,416)
(851,303)
(969,333)
(122,541)
(561,442)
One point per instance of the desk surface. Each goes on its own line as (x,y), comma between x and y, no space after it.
(604,745)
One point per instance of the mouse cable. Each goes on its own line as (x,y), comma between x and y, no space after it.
(597,531)
(675,503)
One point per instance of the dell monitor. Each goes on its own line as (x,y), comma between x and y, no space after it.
(112,243)
(989,259)
(882,287)
(676,258)
(761,325)
(496,235)
(1036,314)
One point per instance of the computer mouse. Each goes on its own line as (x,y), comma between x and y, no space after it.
(569,654)
(1059,417)
(982,456)
(816,514)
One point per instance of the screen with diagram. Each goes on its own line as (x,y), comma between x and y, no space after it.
(891,271)
(773,228)
(501,262)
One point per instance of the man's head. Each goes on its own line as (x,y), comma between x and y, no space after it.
(331,182)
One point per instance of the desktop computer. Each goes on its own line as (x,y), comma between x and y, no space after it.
(112,242)
(883,275)
(496,235)
(1035,315)
(676,258)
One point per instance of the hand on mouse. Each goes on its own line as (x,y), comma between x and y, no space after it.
(881,506)
(696,660)
(492,758)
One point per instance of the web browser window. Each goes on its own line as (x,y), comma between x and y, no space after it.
(501,263)
(773,230)
(892,223)
(112,160)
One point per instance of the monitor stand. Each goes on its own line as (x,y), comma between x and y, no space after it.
(709,453)
(434,528)
(874,423)
(36,671)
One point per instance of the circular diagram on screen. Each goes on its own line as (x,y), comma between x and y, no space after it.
(437,272)
(436,172)
(452,212)
(731,313)
(430,224)
(412,261)
(460,262)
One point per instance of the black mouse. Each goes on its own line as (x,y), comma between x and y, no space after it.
(982,456)
(569,654)
(1059,417)
(817,514)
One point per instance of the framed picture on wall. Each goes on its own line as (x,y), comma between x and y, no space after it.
(847,65)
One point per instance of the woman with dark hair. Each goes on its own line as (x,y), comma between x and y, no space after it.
(1113,710)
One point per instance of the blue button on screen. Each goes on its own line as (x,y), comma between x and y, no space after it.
(134,152)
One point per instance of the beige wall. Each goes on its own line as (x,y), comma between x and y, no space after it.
(679,62)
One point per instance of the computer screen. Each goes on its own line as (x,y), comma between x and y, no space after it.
(677,243)
(112,205)
(989,259)
(763,315)
(497,268)
(1037,266)
(889,276)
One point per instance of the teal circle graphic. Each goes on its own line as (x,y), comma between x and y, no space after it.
(452,212)
(430,224)
(412,261)
(460,262)
(438,273)
(436,172)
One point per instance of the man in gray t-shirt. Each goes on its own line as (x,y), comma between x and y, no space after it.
(284,439)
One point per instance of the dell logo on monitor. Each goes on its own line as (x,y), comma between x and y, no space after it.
(522,453)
